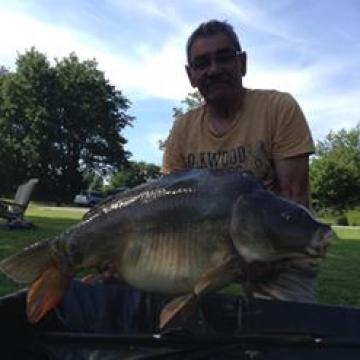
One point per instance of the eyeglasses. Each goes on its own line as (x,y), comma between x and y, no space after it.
(221,57)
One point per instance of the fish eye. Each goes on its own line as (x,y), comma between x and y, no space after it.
(287,217)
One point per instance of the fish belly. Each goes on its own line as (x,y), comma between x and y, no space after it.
(171,263)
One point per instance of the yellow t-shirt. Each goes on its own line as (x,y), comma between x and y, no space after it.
(269,126)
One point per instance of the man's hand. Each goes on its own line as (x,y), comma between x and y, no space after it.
(107,274)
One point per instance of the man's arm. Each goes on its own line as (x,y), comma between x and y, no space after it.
(293,179)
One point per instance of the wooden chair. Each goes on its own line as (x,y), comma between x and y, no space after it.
(15,210)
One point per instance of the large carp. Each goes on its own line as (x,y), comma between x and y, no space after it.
(176,235)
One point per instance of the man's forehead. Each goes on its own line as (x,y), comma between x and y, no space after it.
(210,44)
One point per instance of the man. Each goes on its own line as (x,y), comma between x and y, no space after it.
(261,131)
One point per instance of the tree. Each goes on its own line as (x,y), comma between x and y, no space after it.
(192,101)
(93,180)
(61,122)
(22,93)
(335,172)
(3,71)
(135,174)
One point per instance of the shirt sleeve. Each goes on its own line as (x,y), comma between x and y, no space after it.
(291,132)
(173,157)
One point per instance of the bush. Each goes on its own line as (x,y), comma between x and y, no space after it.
(354,217)
(342,220)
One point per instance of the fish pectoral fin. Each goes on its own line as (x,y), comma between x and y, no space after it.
(217,277)
(45,293)
(183,305)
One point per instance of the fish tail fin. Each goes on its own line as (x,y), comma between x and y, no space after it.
(26,265)
(183,305)
(46,292)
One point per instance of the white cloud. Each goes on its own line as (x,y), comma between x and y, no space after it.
(154,72)
(23,32)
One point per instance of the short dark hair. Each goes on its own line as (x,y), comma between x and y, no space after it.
(209,28)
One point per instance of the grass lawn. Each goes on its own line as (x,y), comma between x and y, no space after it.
(49,221)
(339,277)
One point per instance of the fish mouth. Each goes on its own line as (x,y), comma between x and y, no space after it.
(319,245)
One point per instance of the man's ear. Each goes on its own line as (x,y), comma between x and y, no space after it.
(243,61)
(189,74)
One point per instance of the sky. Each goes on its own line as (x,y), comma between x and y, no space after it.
(308,48)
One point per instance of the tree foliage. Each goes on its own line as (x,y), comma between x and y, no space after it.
(135,174)
(335,172)
(59,122)
(192,101)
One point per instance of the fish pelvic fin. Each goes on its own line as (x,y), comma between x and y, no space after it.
(183,305)
(45,293)
(26,265)
(220,276)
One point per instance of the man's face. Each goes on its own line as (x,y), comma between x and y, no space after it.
(216,68)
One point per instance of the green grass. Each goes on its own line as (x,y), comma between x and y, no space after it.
(49,223)
(339,277)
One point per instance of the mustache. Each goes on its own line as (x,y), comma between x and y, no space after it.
(214,80)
